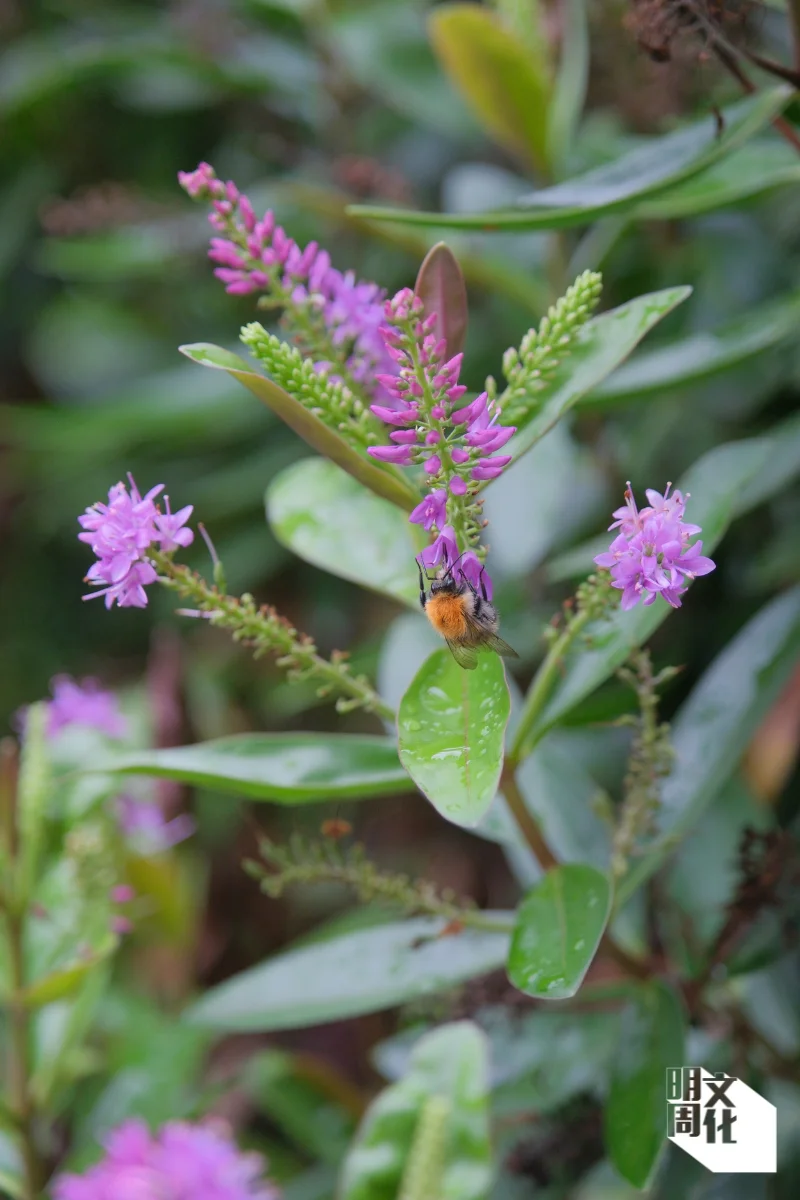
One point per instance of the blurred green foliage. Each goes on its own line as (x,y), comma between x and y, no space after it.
(311,105)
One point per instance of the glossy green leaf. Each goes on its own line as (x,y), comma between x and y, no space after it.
(440,286)
(286,768)
(504,82)
(599,348)
(387,483)
(327,518)
(571,81)
(713,726)
(486,270)
(451,727)
(617,186)
(651,1040)
(714,482)
(558,929)
(559,793)
(689,359)
(755,168)
(363,971)
(780,467)
(449,1065)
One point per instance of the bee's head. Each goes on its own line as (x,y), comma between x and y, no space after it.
(446,584)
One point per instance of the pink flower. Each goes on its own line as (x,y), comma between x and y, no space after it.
(182,1161)
(651,554)
(431,511)
(120,533)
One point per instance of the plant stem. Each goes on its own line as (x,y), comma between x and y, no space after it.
(783,127)
(538,693)
(19,1059)
(527,824)
(262,628)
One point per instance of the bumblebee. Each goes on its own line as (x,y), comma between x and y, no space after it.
(463,616)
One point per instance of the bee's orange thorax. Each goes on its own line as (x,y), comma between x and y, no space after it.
(446,615)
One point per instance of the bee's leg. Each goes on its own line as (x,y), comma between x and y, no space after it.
(422,596)
(483,585)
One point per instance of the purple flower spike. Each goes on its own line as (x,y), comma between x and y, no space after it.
(259,256)
(181,1161)
(120,533)
(651,554)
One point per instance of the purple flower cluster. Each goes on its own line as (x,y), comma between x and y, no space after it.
(84,703)
(651,554)
(443,553)
(456,444)
(121,532)
(180,1162)
(460,442)
(257,255)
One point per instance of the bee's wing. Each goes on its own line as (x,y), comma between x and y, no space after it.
(500,647)
(465,656)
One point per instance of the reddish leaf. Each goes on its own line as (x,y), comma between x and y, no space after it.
(440,286)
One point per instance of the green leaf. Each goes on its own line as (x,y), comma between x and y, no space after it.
(327,518)
(451,728)
(715,723)
(599,347)
(559,793)
(714,482)
(700,355)
(449,1065)
(651,1040)
(492,271)
(286,768)
(506,85)
(387,483)
(617,186)
(756,168)
(440,285)
(363,971)
(571,81)
(780,465)
(559,927)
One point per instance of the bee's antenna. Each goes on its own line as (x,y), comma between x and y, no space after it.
(454,564)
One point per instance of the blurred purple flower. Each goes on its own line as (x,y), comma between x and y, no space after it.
(145,827)
(181,1161)
(651,554)
(84,703)
(121,532)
